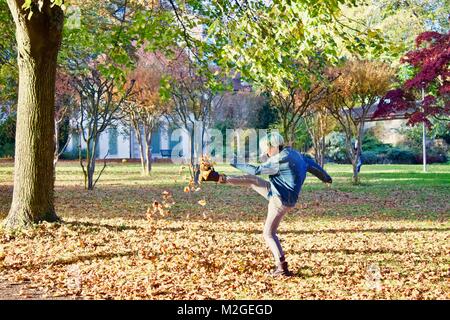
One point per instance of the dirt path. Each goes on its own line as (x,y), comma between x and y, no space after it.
(22,291)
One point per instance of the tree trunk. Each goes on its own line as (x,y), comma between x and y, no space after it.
(318,152)
(355,159)
(357,152)
(355,178)
(56,154)
(142,156)
(148,160)
(141,150)
(91,164)
(38,41)
(148,149)
(322,151)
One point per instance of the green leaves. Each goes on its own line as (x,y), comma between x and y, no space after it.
(32,5)
(40,3)
(263,40)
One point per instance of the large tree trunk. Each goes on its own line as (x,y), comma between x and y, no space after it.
(38,41)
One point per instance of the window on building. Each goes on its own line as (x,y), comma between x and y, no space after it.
(113,137)
(156,143)
(75,141)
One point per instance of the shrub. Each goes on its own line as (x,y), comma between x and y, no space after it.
(7,150)
(7,136)
(370,157)
(73,155)
(336,150)
(432,157)
(401,156)
(372,143)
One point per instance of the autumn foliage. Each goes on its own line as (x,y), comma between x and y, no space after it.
(352,97)
(145,106)
(430,61)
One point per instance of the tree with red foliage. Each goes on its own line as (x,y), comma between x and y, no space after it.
(431,63)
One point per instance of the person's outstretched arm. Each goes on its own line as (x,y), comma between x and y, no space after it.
(315,169)
(270,167)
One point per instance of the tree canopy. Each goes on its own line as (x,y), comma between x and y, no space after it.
(430,67)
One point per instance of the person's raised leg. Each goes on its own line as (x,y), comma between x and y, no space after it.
(256,183)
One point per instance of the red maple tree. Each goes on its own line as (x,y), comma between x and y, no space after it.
(431,63)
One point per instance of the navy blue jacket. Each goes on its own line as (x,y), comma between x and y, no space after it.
(287,172)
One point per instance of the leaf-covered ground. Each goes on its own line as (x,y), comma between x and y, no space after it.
(386,239)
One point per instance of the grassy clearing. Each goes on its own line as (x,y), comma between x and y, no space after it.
(396,223)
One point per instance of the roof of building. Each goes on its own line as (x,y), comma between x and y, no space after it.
(357,113)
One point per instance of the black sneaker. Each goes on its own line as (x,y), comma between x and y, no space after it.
(282,270)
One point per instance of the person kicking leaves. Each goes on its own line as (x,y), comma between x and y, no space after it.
(287,169)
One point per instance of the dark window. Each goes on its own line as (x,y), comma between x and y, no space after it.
(112,145)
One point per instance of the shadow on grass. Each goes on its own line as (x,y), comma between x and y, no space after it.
(114,227)
(70,261)
(101,225)
(334,251)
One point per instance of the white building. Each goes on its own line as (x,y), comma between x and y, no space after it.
(119,142)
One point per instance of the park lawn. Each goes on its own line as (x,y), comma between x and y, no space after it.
(387,238)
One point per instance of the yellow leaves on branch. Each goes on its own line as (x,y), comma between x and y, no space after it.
(358,82)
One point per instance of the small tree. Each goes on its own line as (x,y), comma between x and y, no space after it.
(301,94)
(100,100)
(144,106)
(319,124)
(358,86)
